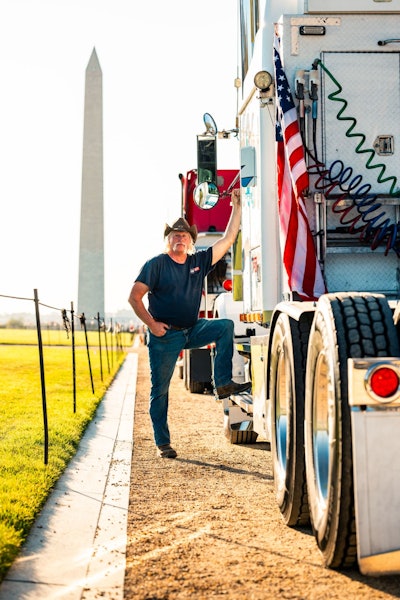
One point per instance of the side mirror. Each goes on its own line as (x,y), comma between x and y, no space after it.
(206,195)
(207,159)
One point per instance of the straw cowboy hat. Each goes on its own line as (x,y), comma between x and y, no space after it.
(182,225)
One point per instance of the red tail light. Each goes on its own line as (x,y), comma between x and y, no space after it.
(384,382)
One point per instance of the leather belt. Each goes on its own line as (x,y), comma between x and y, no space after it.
(174,327)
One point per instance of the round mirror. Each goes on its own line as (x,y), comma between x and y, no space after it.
(211,126)
(206,195)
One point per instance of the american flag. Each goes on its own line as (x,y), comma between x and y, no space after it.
(299,257)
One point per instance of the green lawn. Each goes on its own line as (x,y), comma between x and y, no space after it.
(25,479)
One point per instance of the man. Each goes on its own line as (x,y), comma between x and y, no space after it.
(174,283)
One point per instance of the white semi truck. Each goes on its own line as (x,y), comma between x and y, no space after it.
(319,134)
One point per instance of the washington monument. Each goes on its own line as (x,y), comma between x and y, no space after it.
(91,250)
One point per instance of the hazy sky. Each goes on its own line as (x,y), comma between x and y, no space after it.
(164,65)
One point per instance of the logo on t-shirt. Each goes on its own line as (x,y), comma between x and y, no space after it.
(194,270)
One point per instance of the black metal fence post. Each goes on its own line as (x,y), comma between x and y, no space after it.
(42,378)
(83,323)
(101,356)
(73,355)
(106,345)
(112,343)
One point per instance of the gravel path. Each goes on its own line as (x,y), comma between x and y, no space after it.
(206,524)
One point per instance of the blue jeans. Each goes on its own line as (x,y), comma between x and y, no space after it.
(163,354)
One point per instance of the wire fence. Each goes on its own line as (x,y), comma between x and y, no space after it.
(111,341)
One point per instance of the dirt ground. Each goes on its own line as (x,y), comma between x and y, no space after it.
(206,524)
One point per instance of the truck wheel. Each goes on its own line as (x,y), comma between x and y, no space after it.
(345,326)
(287,376)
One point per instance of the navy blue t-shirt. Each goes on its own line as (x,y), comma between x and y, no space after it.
(175,289)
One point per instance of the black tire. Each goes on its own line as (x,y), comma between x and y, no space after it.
(287,381)
(196,387)
(239,433)
(345,326)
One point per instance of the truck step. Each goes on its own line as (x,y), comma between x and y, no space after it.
(244,400)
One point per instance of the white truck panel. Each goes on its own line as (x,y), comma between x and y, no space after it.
(262,270)
(261,404)
(370,82)
(376,451)
(270,11)
(351,6)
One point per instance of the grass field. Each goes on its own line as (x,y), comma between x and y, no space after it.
(25,479)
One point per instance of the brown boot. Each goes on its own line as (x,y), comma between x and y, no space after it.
(166,451)
(233,388)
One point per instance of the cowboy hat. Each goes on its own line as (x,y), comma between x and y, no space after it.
(182,225)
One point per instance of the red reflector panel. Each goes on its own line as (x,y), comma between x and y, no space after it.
(384,382)
(227,285)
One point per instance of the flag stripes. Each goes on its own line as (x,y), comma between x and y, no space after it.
(299,256)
